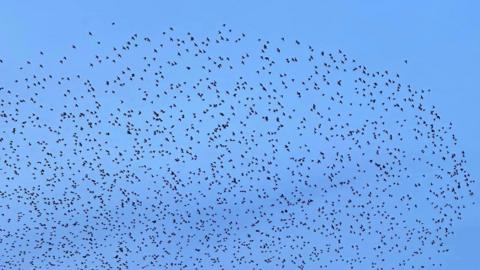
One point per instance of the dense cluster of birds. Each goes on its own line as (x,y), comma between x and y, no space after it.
(182,151)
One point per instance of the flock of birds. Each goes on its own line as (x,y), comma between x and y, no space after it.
(182,151)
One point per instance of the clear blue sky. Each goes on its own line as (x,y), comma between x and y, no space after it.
(440,39)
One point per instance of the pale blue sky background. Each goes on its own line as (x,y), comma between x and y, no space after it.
(440,39)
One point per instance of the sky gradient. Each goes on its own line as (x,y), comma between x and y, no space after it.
(440,40)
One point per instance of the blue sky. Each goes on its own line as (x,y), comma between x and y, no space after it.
(440,39)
